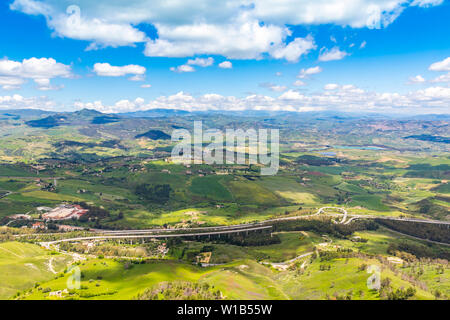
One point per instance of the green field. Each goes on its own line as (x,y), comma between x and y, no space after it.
(22,265)
(210,188)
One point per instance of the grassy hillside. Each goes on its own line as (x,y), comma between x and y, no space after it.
(22,265)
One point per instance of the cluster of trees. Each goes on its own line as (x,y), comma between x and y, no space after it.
(417,251)
(325,267)
(325,226)
(159,193)
(16,223)
(434,232)
(331,255)
(252,239)
(387,292)
(317,161)
(180,290)
(425,170)
(7,234)
(343,296)
(107,250)
(94,212)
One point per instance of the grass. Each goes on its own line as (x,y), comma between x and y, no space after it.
(342,278)
(53,196)
(15,171)
(241,279)
(289,189)
(22,265)
(248,192)
(120,282)
(292,245)
(371,202)
(210,187)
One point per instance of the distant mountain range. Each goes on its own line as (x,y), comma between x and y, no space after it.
(155,113)
(42,118)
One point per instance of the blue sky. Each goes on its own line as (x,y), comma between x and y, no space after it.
(373,57)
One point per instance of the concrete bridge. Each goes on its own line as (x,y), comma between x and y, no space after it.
(131,235)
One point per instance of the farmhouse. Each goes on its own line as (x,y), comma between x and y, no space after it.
(39,225)
(65,212)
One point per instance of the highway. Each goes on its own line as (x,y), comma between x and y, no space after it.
(208,231)
(156,236)
(164,230)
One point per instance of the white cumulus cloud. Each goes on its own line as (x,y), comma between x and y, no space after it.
(201,62)
(305,73)
(344,98)
(14,73)
(299,83)
(236,29)
(226,65)
(417,79)
(17,101)
(331,86)
(107,70)
(182,68)
(295,49)
(333,54)
(443,65)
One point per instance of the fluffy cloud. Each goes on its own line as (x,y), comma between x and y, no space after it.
(333,54)
(19,102)
(182,68)
(295,49)
(239,29)
(11,83)
(226,65)
(342,98)
(201,62)
(146,86)
(67,21)
(107,70)
(240,38)
(305,73)
(331,86)
(442,78)
(443,65)
(14,73)
(417,79)
(299,83)
(354,13)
